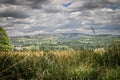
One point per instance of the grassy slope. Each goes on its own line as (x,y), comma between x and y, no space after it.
(61,65)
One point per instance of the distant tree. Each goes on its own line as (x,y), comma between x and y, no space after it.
(4,41)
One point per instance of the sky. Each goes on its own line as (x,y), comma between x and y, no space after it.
(31,17)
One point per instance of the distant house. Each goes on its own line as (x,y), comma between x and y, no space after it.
(18,48)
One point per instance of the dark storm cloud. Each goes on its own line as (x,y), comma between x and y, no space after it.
(95,4)
(20,22)
(7,1)
(112,26)
(31,3)
(91,4)
(14,14)
(21,1)
(51,10)
(37,3)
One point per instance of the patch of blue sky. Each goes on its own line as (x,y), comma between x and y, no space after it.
(114,6)
(67,4)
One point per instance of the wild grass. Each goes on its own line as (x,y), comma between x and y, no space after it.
(61,65)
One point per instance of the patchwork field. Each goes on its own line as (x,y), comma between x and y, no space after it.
(84,64)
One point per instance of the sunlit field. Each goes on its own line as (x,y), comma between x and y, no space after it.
(84,64)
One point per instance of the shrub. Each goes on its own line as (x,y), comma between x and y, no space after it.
(4,41)
(112,55)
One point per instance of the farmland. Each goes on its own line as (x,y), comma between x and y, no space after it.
(62,58)
(62,42)
(61,65)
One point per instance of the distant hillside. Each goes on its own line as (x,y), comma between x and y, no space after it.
(56,35)
(103,35)
(71,36)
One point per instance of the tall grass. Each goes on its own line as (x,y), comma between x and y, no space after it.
(61,65)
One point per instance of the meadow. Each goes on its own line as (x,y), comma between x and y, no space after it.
(84,64)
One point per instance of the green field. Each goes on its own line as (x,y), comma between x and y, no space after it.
(64,42)
(85,64)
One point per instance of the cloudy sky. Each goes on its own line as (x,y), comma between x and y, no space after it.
(28,17)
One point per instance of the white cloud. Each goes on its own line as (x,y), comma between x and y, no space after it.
(50,16)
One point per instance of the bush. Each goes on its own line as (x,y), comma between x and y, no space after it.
(112,55)
(4,41)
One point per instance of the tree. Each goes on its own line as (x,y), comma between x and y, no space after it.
(5,44)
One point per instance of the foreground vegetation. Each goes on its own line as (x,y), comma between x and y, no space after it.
(61,65)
